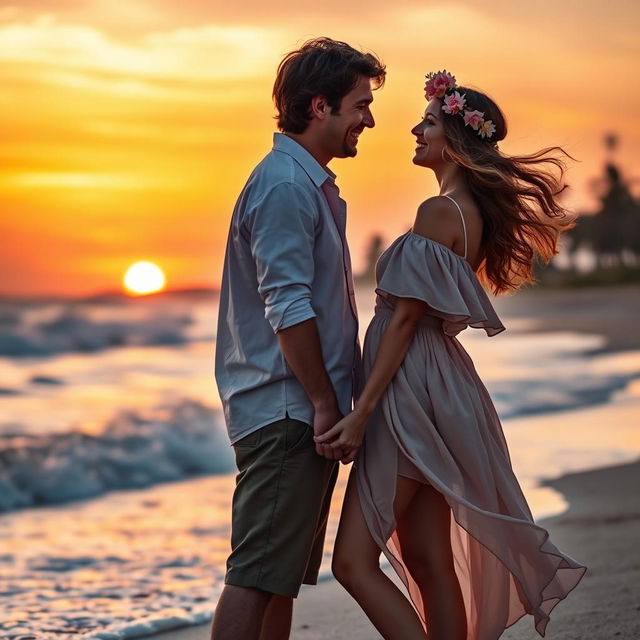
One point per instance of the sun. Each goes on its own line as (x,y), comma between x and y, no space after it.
(144,277)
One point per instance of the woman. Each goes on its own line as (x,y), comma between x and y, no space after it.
(432,484)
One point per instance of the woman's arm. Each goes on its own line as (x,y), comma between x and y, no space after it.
(348,433)
(437,219)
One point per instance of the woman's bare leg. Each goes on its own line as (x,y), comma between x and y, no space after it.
(356,565)
(425,541)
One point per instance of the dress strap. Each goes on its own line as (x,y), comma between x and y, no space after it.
(464,226)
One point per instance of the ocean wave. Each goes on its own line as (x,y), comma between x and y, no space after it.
(46,330)
(132,451)
(535,396)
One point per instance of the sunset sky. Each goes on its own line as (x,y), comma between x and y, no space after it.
(128,129)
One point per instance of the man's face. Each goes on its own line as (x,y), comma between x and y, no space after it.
(345,125)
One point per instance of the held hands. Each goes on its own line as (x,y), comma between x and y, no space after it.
(345,438)
(326,417)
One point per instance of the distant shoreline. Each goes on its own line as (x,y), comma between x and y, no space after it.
(595,282)
(112,296)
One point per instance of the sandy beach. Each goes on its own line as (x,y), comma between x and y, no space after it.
(601,528)
(129,552)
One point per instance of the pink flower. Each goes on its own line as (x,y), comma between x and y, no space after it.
(474,119)
(454,103)
(487,129)
(438,83)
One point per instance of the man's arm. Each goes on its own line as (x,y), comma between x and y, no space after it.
(300,345)
(282,229)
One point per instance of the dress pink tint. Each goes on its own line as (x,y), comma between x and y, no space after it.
(437,423)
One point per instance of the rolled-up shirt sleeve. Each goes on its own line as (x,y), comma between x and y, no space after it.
(282,230)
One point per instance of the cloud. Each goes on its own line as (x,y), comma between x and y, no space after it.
(200,54)
(73,93)
(613,23)
(86,180)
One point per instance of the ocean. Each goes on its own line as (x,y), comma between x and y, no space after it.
(116,474)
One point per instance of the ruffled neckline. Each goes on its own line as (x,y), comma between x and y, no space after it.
(439,244)
(415,266)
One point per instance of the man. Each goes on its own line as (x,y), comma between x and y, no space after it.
(287,348)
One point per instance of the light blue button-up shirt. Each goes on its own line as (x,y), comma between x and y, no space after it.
(287,261)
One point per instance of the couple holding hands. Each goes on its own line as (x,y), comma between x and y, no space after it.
(432,485)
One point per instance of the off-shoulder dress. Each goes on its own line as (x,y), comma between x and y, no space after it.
(437,424)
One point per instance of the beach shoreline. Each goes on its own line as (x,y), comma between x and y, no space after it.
(600,528)
(570,402)
(610,312)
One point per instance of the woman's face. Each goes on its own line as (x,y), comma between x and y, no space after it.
(430,138)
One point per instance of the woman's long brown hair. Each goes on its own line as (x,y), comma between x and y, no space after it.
(518,197)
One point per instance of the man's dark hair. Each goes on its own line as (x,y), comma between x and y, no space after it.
(322,66)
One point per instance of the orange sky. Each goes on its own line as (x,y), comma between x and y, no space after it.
(128,129)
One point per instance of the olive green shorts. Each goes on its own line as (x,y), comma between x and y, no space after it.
(280,509)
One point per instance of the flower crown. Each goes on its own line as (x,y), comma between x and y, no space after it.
(441,84)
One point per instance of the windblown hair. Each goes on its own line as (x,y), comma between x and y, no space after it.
(322,66)
(518,197)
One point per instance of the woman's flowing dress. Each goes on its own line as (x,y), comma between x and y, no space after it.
(437,423)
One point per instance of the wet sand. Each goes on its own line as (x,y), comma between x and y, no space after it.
(601,528)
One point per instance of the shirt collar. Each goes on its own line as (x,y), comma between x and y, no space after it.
(312,167)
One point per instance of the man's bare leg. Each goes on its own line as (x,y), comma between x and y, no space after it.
(240,613)
(276,624)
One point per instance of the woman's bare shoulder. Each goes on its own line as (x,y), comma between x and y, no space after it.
(438,219)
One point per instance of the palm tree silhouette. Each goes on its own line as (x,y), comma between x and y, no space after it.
(613,232)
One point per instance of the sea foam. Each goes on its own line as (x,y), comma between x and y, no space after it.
(132,451)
